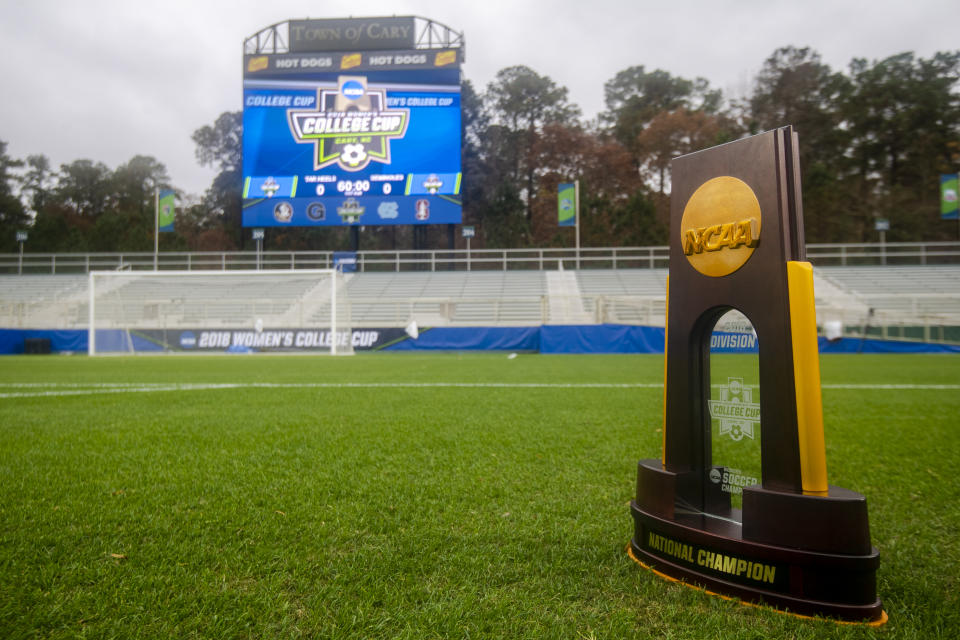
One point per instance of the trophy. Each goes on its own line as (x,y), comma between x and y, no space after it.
(781,535)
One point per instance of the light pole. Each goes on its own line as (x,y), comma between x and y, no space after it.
(882,225)
(21,238)
(258,236)
(468,232)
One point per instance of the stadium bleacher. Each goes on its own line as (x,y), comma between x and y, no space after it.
(910,299)
(42,301)
(854,295)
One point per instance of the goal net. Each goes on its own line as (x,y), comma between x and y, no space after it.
(218,311)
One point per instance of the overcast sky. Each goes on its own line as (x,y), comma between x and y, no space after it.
(111,79)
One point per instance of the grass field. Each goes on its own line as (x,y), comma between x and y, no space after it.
(367,497)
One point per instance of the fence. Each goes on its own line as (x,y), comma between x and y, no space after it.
(456,260)
(71,312)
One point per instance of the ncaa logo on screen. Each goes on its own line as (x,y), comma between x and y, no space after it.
(188,340)
(352,89)
(388,210)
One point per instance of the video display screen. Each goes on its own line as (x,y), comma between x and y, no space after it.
(353,139)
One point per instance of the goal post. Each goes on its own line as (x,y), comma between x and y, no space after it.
(295,311)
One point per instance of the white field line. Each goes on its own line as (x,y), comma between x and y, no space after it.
(44,389)
(40,389)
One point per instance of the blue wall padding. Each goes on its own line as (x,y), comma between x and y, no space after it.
(12,340)
(473,339)
(604,338)
(856,345)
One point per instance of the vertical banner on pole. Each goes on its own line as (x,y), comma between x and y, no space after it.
(165,210)
(949,204)
(567,204)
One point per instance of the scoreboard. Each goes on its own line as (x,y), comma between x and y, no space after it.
(352,138)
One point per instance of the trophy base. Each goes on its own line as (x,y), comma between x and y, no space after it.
(759,555)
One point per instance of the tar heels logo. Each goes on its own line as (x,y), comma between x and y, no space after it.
(737,412)
(388,210)
(352,127)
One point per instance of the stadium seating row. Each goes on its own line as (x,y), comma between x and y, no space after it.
(895,294)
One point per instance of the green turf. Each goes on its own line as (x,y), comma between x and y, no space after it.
(436,512)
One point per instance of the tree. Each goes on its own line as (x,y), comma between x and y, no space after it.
(615,207)
(673,133)
(903,115)
(795,88)
(88,207)
(84,187)
(656,116)
(473,123)
(128,224)
(194,232)
(504,224)
(474,120)
(220,146)
(13,216)
(635,96)
(520,102)
(136,182)
(38,181)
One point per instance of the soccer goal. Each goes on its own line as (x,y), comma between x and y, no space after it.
(219,311)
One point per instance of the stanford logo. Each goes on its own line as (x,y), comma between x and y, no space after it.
(423,210)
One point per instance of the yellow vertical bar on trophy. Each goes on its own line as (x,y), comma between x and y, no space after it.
(806,376)
(666,332)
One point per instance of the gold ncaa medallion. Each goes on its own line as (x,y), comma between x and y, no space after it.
(720,226)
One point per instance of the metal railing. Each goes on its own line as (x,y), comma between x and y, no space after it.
(889,253)
(911,324)
(900,253)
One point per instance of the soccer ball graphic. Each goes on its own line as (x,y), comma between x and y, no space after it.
(736,390)
(353,154)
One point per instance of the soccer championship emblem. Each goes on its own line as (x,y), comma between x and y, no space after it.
(351,128)
(432,184)
(736,411)
(350,211)
(270,187)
